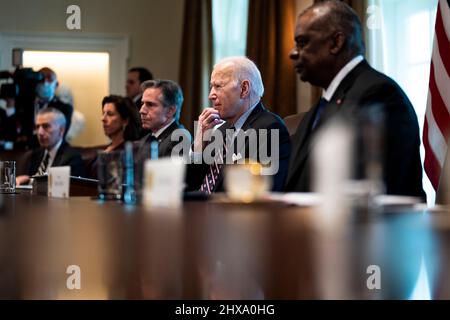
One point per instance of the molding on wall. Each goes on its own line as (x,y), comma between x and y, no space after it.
(116,45)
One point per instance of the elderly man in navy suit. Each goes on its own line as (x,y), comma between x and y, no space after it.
(236,113)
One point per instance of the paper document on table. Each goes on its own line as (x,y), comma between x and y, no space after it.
(301,199)
(392,200)
(24,187)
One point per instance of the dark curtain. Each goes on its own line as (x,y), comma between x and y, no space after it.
(270,38)
(360,7)
(196,59)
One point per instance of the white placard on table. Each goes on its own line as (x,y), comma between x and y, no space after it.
(164,183)
(58,182)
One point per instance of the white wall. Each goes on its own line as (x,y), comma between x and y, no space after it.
(153,29)
(153,26)
(88,92)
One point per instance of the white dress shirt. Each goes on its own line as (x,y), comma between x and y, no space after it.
(328,94)
(53,152)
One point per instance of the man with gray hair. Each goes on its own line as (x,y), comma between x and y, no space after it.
(236,91)
(53,150)
(160,113)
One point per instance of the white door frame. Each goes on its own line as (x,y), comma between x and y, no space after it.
(116,45)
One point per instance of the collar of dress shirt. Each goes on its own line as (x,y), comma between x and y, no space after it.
(197,156)
(328,94)
(137,97)
(158,133)
(43,103)
(53,152)
(240,122)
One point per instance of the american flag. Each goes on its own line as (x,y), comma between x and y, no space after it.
(436,130)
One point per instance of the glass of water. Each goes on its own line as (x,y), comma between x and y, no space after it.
(7,176)
(110,175)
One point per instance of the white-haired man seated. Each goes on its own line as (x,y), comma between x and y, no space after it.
(238,120)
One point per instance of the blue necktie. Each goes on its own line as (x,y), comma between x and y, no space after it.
(320,108)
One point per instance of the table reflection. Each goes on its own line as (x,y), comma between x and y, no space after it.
(208,250)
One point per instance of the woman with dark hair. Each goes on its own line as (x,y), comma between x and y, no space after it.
(121,121)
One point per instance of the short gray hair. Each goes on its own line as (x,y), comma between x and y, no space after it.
(171,93)
(60,118)
(245,69)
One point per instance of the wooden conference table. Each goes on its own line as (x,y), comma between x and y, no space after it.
(214,250)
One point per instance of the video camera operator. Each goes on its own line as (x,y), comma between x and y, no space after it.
(16,93)
(22,100)
(46,98)
(8,119)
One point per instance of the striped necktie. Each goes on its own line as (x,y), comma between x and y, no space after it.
(212,176)
(44,163)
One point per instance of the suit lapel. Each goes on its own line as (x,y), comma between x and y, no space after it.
(145,141)
(340,96)
(247,124)
(253,117)
(302,139)
(162,137)
(250,123)
(304,134)
(59,155)
(36,161)
(168,131)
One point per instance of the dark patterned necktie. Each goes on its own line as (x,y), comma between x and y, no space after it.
(320,108)
(44,163)
(212,176)
(153,144)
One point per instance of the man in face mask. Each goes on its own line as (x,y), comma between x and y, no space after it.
(45,96)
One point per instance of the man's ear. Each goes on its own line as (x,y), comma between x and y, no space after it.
(337,42)
(61,130)
(172,111)
(245,89)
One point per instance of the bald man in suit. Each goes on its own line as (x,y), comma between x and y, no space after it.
(329,54)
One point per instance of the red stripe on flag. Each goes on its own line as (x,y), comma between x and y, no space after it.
(438,108)
(431,164)
(443,41)
(440,111)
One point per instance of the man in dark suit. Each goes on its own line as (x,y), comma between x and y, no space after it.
(46,98)
(329,54)
(237,112)
(53,150)
(135,77)
(160,113)
(9,122)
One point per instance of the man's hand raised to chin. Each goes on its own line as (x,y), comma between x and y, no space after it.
(207,120)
